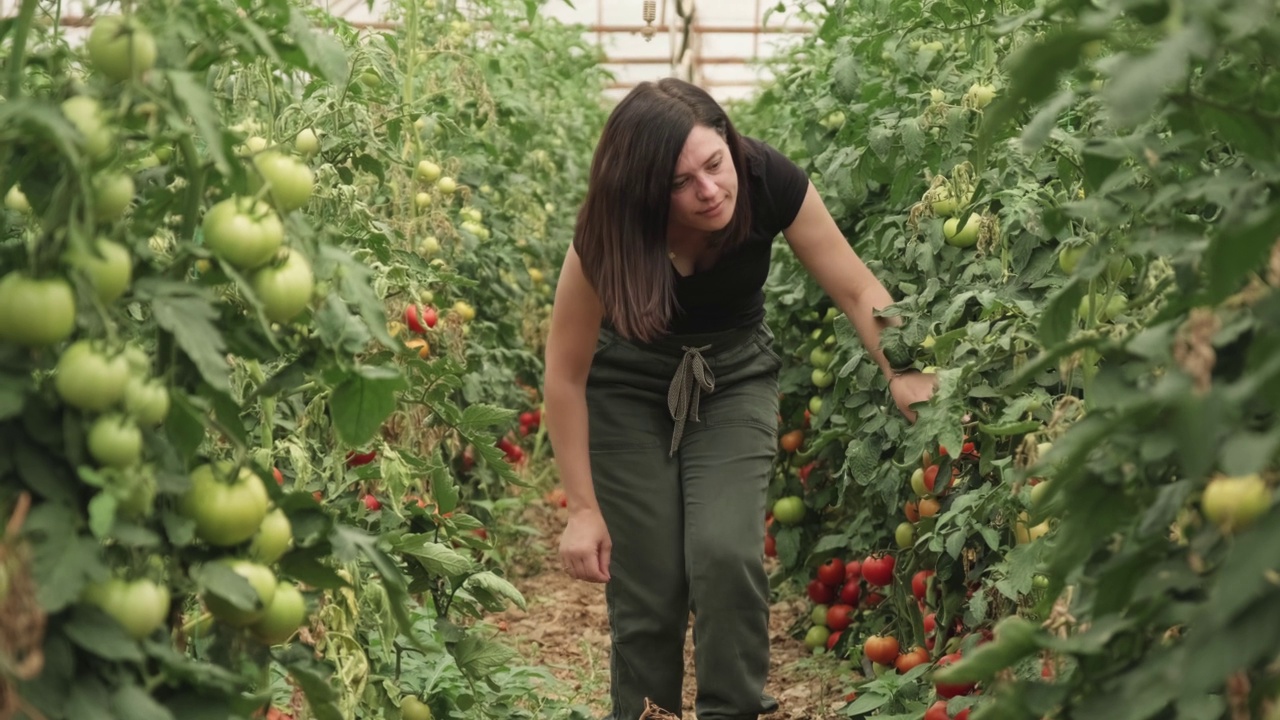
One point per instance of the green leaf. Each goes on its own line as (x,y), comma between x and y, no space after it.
(495,459)
(481,417)
(362,402)
(443,489)
(787,543)
(1058,319)
(314,677)
(93,630)
(324,53)
(41,472)
(495,585)
(134,703)
(221,580)
(479,658)
(102,514)
(1232,256)
(184,426)
(436,557)
(193,97)
(1137,83)
(356,287)
(63,562)
(87,699)
(865,703)
(189,313)
(12,391)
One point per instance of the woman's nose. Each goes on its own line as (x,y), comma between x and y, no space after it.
(706,187)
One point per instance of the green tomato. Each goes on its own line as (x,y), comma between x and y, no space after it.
(264,585)
(136,492)
(789,510)
(1114,307)
(821,378)
(307,143)
(904,535)
(1235,503)
(447,185)
(146,400)
(243,231)
(1069,257)
(273,539)
(226,511)
(282,617)
(284,289)
(957,236)
(16,200)
(90,380)
(427,171)
(109,267)
(86,116)
(113,193)
(115,442)
(36,313)
(140,607)
(815,405)
(816,637)
(290,181)
(819,357)
(818,615)
(917,483)
(120,49)
(411,708)
(981,95)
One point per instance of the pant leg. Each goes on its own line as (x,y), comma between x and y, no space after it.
(726,463)
(638,488)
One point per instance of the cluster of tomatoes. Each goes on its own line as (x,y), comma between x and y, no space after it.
(836,591)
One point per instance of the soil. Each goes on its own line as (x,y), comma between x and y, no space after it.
(566,630)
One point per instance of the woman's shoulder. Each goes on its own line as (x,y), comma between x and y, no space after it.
(778,184)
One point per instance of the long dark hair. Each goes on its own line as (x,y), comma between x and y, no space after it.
(622,226)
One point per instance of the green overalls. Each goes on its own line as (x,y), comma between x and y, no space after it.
(683,435)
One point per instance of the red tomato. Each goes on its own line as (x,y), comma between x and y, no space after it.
(937,711)
(355,459)
(930,623)
(790,442)
(878,571)
(832,572)
(950,690)
(852,570)
(874,599)
(832,640)
(930,475)
(429,316)
(881,649)
(412,320)
(920,584)
(372,503)
(962,715)
(770,546)
(275,471)
(839,617)
(850,593)
(916,656)
(820,592)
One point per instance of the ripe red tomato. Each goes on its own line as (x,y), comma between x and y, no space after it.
(912,511)
(790,442)
(832,572)
(874,599)
(805,471)
(371,503)
(832,640)
(412,321)
(839,617)
(820,592)
(355,459)
(275,472)
(881,649)
(930,475)
(852,570)
(916,656)
(920,584)
(962,715)
(878,571)
(937,711)
(770,546)
(950,690)
(930,623)
(850,592)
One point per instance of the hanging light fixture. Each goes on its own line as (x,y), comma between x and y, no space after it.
(650,14)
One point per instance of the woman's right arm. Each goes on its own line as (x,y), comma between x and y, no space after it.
(575,327)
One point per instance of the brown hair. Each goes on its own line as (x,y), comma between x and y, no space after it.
(621,233)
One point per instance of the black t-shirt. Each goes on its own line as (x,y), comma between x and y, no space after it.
(730,294)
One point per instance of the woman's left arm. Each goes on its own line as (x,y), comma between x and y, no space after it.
(826,254)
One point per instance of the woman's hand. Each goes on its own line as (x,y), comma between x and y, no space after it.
(911,388)
(585,546)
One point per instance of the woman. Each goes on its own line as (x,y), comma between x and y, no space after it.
(662,395)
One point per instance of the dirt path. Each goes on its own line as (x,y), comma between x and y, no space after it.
(566,630)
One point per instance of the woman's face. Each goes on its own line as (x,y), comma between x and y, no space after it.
(704,189)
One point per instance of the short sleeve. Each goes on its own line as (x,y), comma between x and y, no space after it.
(781,187)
